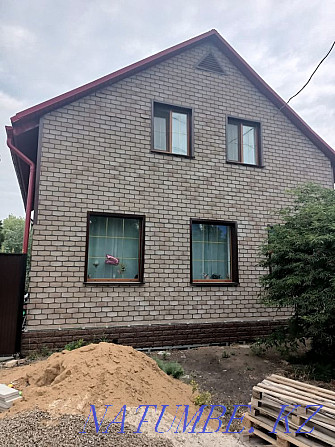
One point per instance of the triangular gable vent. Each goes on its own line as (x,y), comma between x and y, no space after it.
(209,63)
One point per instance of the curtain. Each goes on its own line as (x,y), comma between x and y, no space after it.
(119,238)
(160,130)
(210,252)
(179,133)
(249,146)
(232,136)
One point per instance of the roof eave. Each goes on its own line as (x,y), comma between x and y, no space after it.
(29,118)
(17,165)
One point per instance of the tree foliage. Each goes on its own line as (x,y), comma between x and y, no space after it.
(1,234)
(300,258)
(12,230)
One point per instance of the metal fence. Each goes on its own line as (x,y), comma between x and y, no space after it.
(12,280)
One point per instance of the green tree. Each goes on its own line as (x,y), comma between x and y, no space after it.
(300,258)
(12,230)
(1,234)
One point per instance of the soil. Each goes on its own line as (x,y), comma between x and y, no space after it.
(58,391)
(229,373)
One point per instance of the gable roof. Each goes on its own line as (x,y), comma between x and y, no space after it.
(28,120)
(29,117)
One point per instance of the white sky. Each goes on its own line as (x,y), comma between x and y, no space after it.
(48,47)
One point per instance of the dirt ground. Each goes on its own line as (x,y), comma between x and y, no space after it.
(68,382)
(64,385)
(229,373)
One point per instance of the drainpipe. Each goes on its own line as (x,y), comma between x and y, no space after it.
(29,203)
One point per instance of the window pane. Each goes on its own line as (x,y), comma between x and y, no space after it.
(131,268)
(232,138)
(131,227)
(114,226)
(97,225)
(171,129)
(197,230)
(198,269)
(160,133)
(249,145)
(179,133)
(131,249)
(114,248)
(211,252)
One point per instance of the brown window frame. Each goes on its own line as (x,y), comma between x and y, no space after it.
(178,109)
(258,141)
(113,281)
(234,281)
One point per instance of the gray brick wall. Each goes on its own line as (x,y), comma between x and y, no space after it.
(96,157)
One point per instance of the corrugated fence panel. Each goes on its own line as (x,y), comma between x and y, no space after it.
(12,277)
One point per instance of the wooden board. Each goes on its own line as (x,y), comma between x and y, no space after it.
(303,386)
(304,413)
(261,424)
(321,432)
(290,390)
(268,399)
(291,399)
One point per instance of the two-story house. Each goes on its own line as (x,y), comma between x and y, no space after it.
(152,189)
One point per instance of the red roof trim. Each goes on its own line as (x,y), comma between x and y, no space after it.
(30,117)
(72,95)
(267,91)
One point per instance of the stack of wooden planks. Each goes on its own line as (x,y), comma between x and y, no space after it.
(268,400)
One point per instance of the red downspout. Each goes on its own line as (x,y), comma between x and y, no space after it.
(29,204)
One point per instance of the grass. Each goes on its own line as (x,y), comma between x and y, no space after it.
(308,367)
(173,369)
(204,398)
(75,344)
(225,355)
(40,354)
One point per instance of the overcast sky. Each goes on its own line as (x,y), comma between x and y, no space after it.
(48,47)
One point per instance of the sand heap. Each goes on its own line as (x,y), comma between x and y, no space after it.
(100,374)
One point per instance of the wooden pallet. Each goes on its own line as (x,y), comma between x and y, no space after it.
(268,398)
(301,414)
(261,428)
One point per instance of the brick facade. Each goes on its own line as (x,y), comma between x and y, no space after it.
(96,156)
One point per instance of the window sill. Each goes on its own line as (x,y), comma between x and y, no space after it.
(171,154)
(231,162)
(114,283)
(215,284)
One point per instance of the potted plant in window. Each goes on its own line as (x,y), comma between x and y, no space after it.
(122,269)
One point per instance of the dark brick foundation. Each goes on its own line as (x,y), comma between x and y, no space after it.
(154,335)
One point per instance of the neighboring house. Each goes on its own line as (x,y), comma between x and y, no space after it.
(154,188)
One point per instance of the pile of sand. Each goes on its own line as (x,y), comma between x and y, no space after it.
(99,374)
(102,374)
